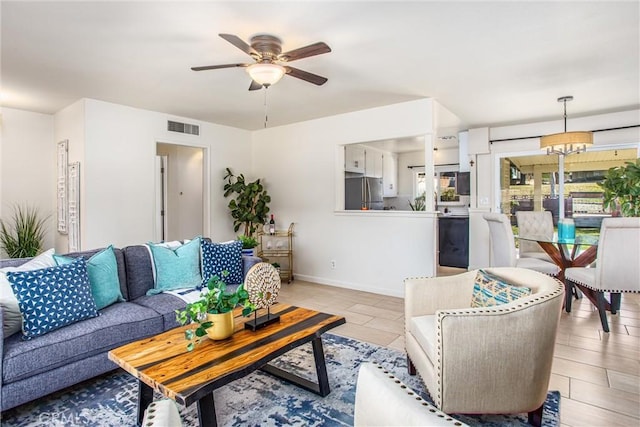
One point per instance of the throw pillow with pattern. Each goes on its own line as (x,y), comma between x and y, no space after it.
(489,290)
(53,297)
(219,257)
(11,317)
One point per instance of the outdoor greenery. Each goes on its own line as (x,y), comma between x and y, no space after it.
(250,203)
(621,187)
(215,300)
(22,236)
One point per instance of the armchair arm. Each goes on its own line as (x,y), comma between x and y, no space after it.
(425,295)
(383,400)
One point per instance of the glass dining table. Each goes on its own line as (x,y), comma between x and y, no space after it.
(580,251)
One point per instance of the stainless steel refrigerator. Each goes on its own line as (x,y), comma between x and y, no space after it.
(363,193)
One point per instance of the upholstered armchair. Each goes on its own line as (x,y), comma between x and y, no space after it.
(617,266)
(483,360)
(384,400)
(503,248)
(534,223)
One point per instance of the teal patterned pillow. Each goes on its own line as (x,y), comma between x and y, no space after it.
(53,297)
(176,268)
(489,290)
(102,269)
(219,257)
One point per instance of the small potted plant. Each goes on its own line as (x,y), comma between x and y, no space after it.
(22,237)
(213,313)
(248,244)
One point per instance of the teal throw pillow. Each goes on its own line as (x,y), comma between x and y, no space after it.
(102,269)
(176,268)
(53,297)
(219,257)
(489,290)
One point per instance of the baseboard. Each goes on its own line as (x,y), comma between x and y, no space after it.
(349,285)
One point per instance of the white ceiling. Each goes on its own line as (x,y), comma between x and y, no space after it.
(491,63)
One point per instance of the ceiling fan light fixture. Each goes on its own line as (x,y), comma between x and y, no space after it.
(266,74)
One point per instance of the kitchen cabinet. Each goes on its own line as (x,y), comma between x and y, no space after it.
(453,241)
(354,158)
(373,163)
(390,174)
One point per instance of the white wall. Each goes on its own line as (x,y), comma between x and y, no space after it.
(301,166)
(118,169)
(27,166)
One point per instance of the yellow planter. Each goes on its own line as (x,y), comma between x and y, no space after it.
(222,327)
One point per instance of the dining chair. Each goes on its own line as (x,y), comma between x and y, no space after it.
(503,249)
(534,223)
(617,266)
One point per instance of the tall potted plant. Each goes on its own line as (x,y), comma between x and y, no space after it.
(249,205)
(621,187)
(22,237)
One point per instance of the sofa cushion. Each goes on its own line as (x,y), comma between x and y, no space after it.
(102,269)
(138,265)
(176,268)
(423,328)
(164,305)
(53,297)
(220,257)
(489,290)
(11,316)
(118,324)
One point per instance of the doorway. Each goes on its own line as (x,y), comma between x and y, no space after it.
(180,192)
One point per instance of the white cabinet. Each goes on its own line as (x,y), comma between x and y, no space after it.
(390,174)
(354,158)
(373,163)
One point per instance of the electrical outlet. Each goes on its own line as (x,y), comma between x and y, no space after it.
(333,264)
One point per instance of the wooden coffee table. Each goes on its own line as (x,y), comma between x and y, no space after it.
(162,362)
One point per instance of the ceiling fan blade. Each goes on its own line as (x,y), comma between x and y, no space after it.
(240,44)
(305,52)
(254,85)
(215,67)
(305,75)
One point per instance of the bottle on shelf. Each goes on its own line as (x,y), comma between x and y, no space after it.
(272,226)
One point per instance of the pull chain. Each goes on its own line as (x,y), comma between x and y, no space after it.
(266,118)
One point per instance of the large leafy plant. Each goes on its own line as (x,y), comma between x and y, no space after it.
(621,187)
(23,235)
(250,204)
(214,300)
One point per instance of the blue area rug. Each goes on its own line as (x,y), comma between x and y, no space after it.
(256,400)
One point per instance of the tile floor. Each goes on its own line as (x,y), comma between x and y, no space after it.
(597,373)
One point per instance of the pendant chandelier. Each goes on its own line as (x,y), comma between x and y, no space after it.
(566,142)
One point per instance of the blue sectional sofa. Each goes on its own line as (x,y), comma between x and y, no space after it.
(30,369)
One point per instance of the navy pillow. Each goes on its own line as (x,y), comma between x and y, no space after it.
(53,297)
(218,257)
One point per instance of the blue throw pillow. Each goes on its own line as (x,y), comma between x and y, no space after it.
(102,269)
(489,290)
(176,268)
(53,297)
(219,257)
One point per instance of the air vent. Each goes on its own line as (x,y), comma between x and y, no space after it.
(183,128)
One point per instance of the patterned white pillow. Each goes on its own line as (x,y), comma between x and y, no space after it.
(12,319)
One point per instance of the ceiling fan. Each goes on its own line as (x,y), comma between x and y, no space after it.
(270,63)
